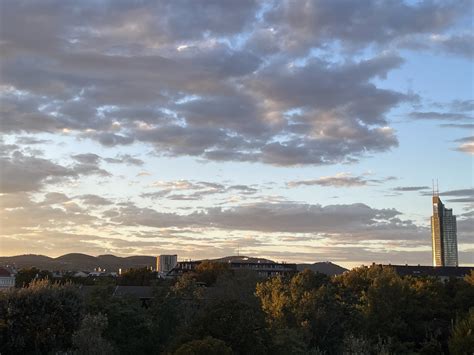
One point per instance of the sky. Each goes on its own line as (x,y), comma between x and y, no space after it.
(300,131)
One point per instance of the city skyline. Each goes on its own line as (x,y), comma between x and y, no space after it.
(299,133)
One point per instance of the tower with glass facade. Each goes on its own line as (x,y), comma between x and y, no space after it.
(443,235)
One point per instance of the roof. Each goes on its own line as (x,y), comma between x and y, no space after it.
(4,272)
(143,292)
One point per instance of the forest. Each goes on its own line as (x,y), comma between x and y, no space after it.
(216,310)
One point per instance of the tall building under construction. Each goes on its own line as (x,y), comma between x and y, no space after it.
(443,234)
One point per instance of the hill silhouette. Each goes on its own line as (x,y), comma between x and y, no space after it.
(78,261)
(325,267)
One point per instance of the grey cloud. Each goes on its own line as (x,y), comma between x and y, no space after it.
(52,198)
(87,158)
(182,77)
(244,189)
(459,192)
(184,190)
(460,125)
(410,188)
(469,139)
(443,116)
(89,164)
(26,173)
(460,45)
(338,180)
(109,139)
(31,140)
(125,159)
(462,105)
(42,216)
(94,200)
(461,195)
(327,87)
(311,23)
(21,172)
(268,217)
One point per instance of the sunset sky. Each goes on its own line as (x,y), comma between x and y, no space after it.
(293,130)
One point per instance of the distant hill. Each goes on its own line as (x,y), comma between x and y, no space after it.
(242,259)
(77,261)
(327,268)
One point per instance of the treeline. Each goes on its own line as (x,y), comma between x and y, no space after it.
(131,277)
(368,310)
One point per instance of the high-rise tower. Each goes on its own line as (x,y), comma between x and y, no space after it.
(443,234)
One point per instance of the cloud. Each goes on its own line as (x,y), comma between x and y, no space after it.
(466,148)
(89,158)
(467,145)
(312,24)
(461,195)
(410,188)
(443,116)
(459,44)
(269,217)
(89,164)
(21,173)
(338,180)
(186,190)
(459,125)
(94,200)
(125,159)
(197,87)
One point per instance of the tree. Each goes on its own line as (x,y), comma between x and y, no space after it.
(209,271)
(26,275)
(469,278)
(130,326)
(137,277)
(275,299)
(40,318)
(242,327)
(307,303)
(88,339)
(462,338)
(206,346)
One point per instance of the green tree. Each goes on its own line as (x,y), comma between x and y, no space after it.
(88,339)
(241,327)
(307,303)
(206,346)
(469,278)
(462,338)
(130,326)
(39,318)
(275,300)
(137,277)
(209,271)
(26,275)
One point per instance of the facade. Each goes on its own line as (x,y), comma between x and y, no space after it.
(7,279)
(165,263)
(443,235)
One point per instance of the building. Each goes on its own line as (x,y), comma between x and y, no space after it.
(165,263)
(7,279)
(443,273)
(262,267)
(443,235)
